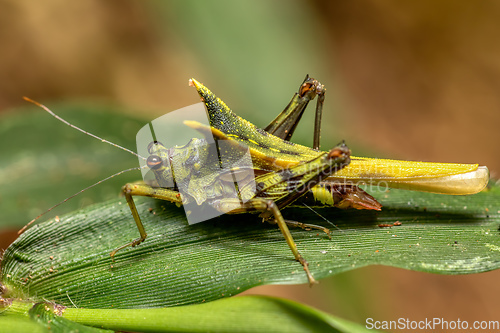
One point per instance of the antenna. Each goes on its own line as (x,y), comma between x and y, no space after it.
(79,129)
(89,187)
(324,218)
(74,195)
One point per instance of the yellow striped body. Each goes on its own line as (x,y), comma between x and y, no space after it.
(272,153)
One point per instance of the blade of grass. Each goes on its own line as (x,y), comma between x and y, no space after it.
(68,261)
(237,314)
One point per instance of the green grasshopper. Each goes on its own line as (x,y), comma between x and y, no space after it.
(285,173)
(277,187)
(274,189)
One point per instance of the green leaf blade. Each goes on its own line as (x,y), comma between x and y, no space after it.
(178,264)
(237,314)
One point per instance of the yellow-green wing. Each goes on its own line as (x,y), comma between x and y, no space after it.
(272,153)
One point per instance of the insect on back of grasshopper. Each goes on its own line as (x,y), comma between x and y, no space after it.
(202,173)
(236,168)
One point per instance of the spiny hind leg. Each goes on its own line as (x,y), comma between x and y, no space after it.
(233,206)
(138,189)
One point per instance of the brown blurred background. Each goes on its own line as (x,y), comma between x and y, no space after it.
(411,80)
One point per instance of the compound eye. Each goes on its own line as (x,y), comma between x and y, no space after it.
(154,162)
(153,146)
(304,88)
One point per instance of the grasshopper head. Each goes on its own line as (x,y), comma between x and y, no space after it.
(158,155)
(341,152)
(311,87)
(338,158)
(158,162)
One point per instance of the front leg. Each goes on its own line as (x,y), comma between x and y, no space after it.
(130,190)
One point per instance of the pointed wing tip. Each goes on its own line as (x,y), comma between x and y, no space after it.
(194,83)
